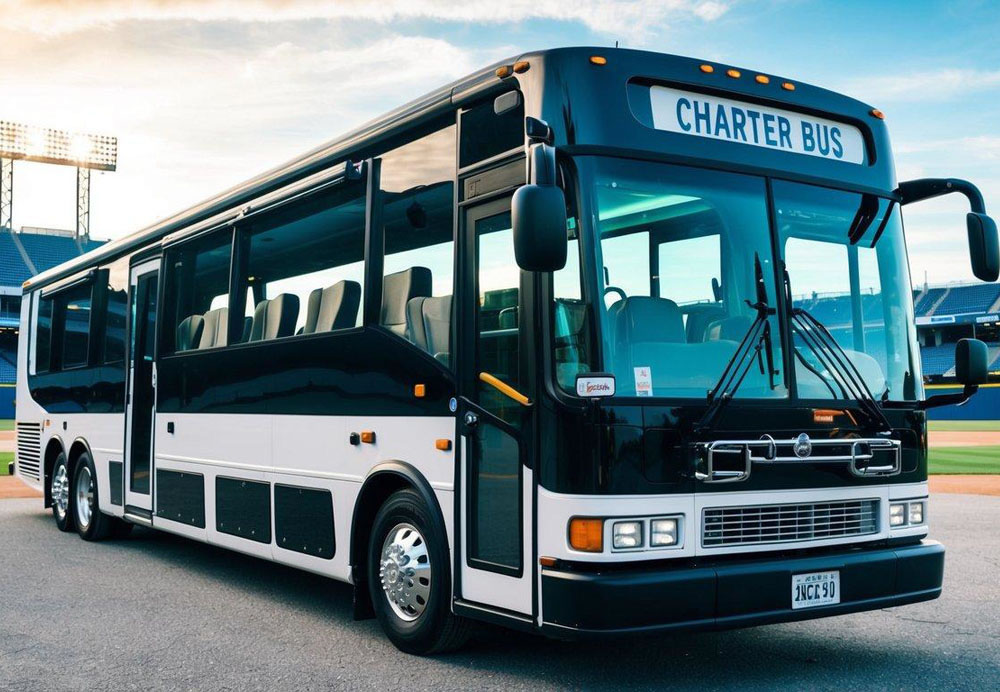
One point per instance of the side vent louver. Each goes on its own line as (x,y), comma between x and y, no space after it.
(29,450)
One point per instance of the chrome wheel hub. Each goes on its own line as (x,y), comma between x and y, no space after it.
(84,497)
(60,491)
(405,571)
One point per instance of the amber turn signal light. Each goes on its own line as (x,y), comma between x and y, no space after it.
(368,436)
(419,391)
(443,444)
(598,60)
(586,535)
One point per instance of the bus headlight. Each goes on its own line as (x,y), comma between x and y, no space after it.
(626,534)
(916,513)
(662,532)
(897,514)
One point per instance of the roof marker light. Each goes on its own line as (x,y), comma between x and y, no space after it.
(876,113)
(735,74)
(762,79)
(788,86)
(521,66)
(503,71)
(598,60)
(706,68)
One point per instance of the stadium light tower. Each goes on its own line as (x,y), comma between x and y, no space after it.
(84,152)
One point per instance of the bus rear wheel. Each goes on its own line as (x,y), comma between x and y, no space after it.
(91,523)
(409,578)
(59,491)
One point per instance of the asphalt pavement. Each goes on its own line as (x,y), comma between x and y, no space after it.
(161,612)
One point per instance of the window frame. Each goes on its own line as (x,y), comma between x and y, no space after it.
(57,325)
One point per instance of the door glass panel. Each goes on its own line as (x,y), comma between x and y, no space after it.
(496,498)
(144,320)
(497,313)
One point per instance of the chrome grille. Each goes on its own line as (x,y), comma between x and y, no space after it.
(29,450)
(726,526)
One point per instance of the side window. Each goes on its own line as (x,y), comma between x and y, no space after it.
(305,268)
(687,268)
(417,196)
(75,309)
(43,335)
(486,134)
(197,294)
(115,308)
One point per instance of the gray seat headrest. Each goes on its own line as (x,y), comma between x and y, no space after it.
(645,319)
(397,290)
(189,332)
(216,332)
(274,318)
(428,325)
(333,307)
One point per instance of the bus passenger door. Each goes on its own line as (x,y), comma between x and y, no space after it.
(494,418)
(141,386)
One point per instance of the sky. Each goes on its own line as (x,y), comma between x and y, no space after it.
(203,94)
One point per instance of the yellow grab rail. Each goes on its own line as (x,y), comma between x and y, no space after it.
(504,388)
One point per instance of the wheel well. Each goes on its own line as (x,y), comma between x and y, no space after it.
(52,451)
(78,447)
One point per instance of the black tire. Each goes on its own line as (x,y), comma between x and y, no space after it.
(435,629)
(61,509)
(92,525)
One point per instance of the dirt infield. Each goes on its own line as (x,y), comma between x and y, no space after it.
(966,485)
(12,487)
(964,438)
(7,441)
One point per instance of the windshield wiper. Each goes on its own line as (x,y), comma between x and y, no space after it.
(843,371)
(756,345)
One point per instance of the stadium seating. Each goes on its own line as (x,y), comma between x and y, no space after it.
(969,299)
(926,301)
(13,270)
(938,360)
(8,366)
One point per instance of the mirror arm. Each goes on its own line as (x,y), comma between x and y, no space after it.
(948,399)
(542,164)
(925,188)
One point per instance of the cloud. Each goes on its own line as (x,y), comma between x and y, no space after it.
(632,18)
(933,85)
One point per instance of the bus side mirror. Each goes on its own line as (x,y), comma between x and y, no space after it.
(538,213)
(971,370)
(971,362)
(984,247)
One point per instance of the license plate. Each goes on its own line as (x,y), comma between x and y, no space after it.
(815,589)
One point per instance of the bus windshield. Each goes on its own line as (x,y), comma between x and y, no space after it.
(678,251)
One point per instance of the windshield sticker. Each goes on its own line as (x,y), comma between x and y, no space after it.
(643,381)
(690,113)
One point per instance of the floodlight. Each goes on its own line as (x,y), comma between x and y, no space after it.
(59,147)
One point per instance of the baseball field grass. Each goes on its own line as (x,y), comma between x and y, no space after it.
(6,424)
(964,425)
(5,458)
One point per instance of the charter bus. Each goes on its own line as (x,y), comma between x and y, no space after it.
(546,348)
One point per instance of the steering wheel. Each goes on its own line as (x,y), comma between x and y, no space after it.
(615,289)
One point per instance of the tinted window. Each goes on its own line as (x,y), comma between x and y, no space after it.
(305,268)
(196,312)
(114,322)
(75,306)
(486,134)
(43,335)
(417,194)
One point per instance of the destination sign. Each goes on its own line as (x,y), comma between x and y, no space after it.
(690,113)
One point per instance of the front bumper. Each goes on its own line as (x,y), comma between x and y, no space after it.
(729,594)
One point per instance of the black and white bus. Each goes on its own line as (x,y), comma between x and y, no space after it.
(550,347)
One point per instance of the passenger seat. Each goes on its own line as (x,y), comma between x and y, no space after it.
(428,325)
(274,318)
(189,332)
(334,307)
(397,291)
(216,331)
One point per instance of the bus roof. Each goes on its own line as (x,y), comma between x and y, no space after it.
(579,116)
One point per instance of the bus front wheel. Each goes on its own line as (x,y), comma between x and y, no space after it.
(409,577)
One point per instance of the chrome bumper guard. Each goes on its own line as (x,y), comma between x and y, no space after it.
(731,461)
